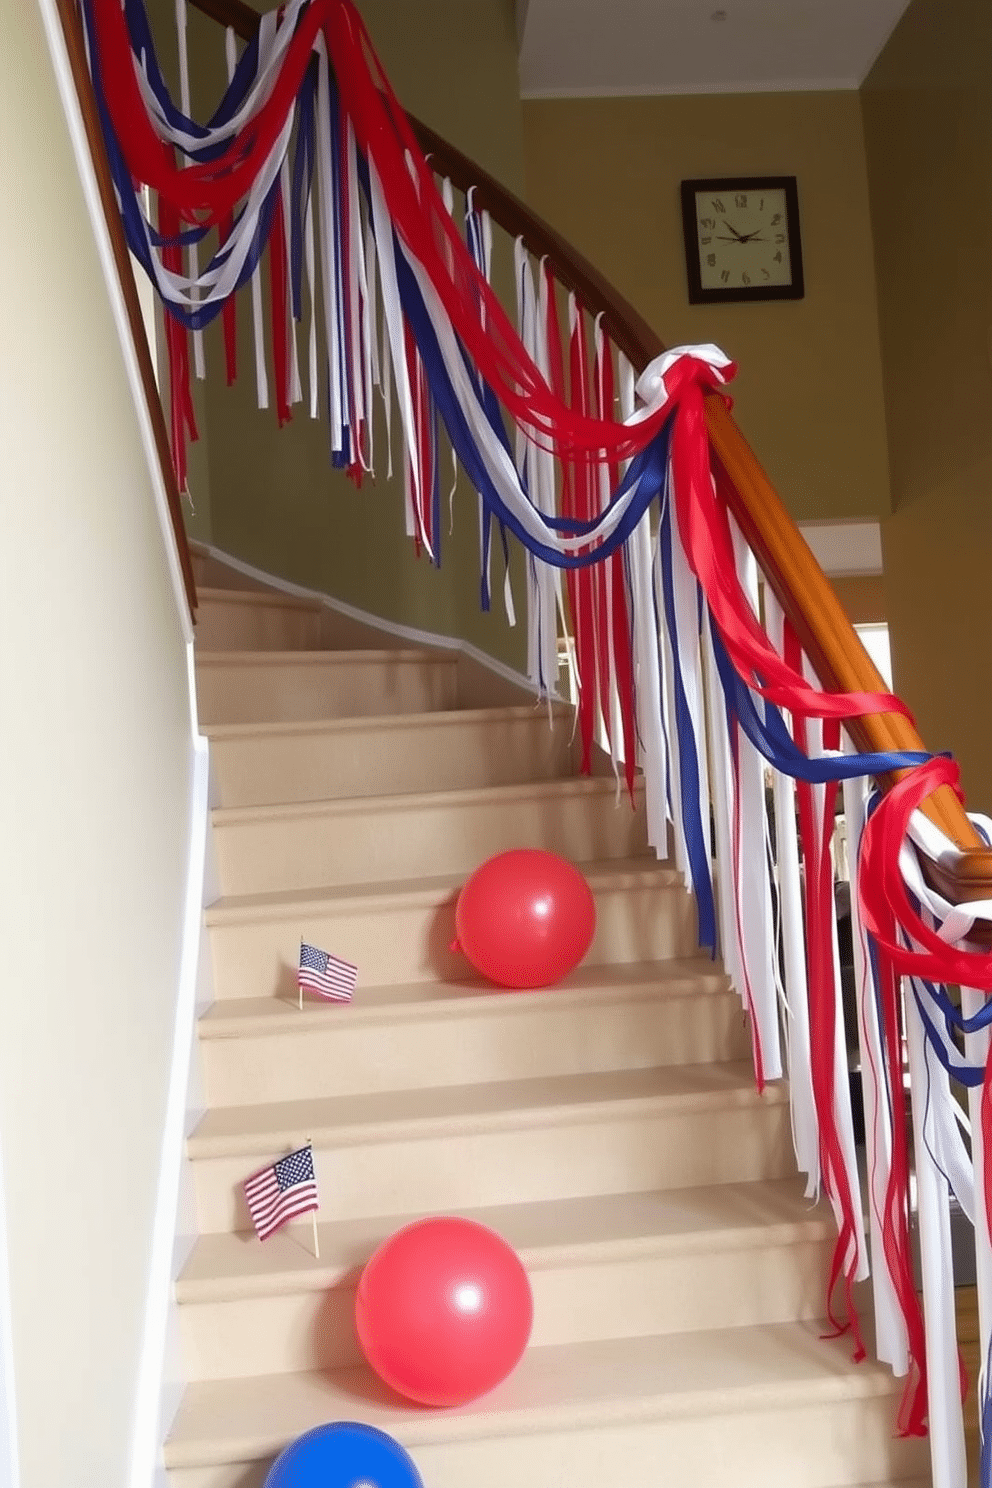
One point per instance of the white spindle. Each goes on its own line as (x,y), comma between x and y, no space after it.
(721,781)
(891,1341)
(805,1127)
(843,1114)
(650,690)
(976,1047)
(947,1444)
(753,888)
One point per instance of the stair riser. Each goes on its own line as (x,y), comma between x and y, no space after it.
(622,1151)
(361,842)
(252,625)
(800,1446)
(618,1298)
(211,573)
(335,686)
(505,1041)
(396,756)
(819,1443)
(410,942)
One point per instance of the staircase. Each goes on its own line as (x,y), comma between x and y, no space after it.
(609,1128)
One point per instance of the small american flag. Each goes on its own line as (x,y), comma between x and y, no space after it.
(325,974)
(282,1191)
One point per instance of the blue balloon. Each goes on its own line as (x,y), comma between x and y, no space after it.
(344,1454)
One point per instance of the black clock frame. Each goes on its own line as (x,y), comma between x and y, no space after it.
(690,228)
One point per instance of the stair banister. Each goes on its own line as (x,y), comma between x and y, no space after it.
(788,565)
(76,50)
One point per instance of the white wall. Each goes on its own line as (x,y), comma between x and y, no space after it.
(96,749)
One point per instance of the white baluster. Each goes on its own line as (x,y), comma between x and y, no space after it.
(891,1341)
(805,1127)
(976,1047)
(947,1447)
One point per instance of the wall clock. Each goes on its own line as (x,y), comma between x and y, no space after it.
(742,239)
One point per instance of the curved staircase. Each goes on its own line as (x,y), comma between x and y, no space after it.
(609,1129)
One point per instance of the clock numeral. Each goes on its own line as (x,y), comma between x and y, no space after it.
(724,277)
(718,205)
(776,219)
(761,206)
(740,200)
(707,222)
(780,237)
(711,260)
(777,258)
(766,273)
(745,278)
(706,240)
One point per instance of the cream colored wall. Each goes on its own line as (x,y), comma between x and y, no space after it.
(606,173)
(274,499)
(928,130)
(96,750)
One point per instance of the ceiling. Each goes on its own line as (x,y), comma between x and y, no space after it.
(583,48)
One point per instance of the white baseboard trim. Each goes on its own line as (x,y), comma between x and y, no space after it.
(410,633)
(10,1472)
(156,1396)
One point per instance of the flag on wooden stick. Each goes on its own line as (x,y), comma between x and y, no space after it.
(325,974)
(282,1191)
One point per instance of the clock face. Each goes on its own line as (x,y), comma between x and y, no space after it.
(742,239)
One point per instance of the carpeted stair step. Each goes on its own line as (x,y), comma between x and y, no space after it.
(264,1049)
(288,686)
(376,839)
(505,1141)
(261,764)
(614,1266)
(403,931)
(772,1406)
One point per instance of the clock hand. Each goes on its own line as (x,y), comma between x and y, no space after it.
(734,231)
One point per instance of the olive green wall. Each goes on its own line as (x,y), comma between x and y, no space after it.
(606,173)
(928,132)
(274,499)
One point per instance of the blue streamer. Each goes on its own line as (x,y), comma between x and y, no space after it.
(143,46)
(772,739)
(140,237)
(697,841)
(645,476)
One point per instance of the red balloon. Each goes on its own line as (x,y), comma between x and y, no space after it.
(525,918)
(443,1311)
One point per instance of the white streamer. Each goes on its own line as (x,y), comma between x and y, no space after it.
(805,1121)
(199,362)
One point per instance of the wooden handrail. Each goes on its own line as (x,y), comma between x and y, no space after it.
(76,49)
(800,585)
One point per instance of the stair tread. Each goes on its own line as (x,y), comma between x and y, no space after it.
(555,1387)
(347,1119)
(405,654)
(264,598)
(617,873)
(252,1016)
(544,1233)
(450,717)
(583,786)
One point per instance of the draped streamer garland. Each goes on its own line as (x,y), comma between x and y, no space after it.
(309,163)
